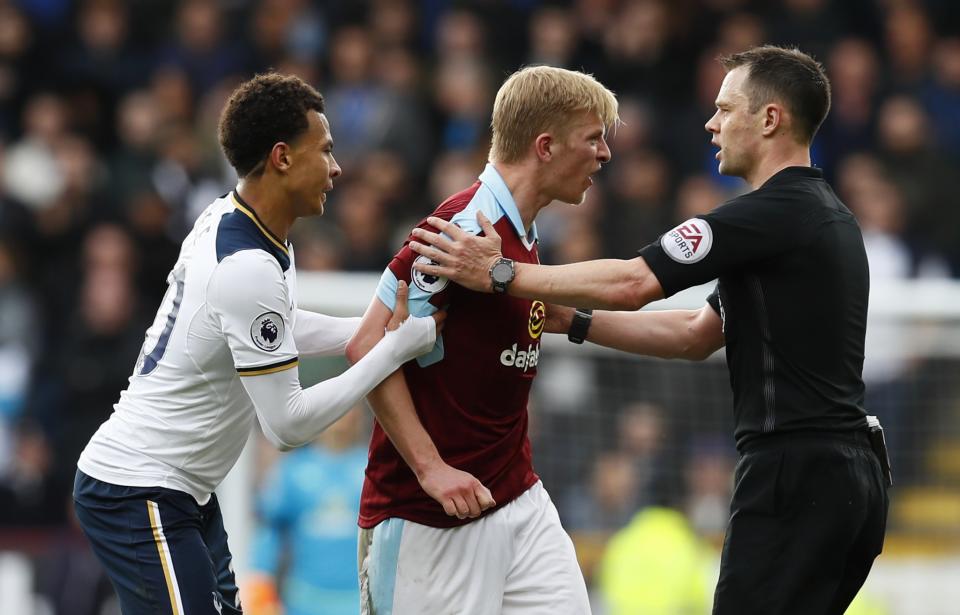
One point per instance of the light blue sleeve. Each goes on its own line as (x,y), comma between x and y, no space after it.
(275,506)
(265,546)
(466,219)
(387,289)
(418,304)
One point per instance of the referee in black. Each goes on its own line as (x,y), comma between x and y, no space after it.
(810,502)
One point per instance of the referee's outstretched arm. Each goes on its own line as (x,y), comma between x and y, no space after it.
(612,284)
(667,334)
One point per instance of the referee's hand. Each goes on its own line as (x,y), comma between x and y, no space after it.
(460,493)
(456,254)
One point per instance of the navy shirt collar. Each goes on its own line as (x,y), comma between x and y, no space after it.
(242,229)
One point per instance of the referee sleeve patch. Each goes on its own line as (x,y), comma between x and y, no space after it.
(689,242)
(269,369)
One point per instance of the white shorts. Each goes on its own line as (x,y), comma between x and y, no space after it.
(515,560)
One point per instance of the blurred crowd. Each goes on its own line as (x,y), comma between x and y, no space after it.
(108,151)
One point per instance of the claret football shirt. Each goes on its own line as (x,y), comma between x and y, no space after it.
(471,391)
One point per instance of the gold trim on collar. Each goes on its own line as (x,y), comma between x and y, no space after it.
(245,210)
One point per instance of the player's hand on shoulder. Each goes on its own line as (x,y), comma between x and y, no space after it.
(414,335)
(400,309)
(459,492)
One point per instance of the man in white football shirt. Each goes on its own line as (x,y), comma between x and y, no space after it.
(221,351)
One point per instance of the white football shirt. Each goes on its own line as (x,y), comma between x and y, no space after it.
(229,312)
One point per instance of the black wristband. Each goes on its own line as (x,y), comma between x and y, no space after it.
(580,325)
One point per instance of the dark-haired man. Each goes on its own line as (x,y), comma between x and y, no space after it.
(809,510)
(221,353)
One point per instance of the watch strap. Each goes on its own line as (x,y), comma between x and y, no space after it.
(580,325)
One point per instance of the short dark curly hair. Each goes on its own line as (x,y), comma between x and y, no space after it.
(261,112)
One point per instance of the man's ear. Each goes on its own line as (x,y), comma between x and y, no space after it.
(280,156)
(543,145)
(773,118)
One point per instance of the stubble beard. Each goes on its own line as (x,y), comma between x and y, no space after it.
(730,167)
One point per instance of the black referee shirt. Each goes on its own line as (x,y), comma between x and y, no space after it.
(792,293)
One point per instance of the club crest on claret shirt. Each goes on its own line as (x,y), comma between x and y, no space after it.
(538,318)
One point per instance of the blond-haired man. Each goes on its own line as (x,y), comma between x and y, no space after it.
(464,404)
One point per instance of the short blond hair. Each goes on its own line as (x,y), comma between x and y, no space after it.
(538,99)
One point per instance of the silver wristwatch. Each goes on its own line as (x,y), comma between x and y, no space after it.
(501,274)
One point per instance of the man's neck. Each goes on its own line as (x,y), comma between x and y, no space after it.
(267,203)
(777,160)
(521,181)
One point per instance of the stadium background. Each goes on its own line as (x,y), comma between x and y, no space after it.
(108,151)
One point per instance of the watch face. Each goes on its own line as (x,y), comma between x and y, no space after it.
(502,272)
